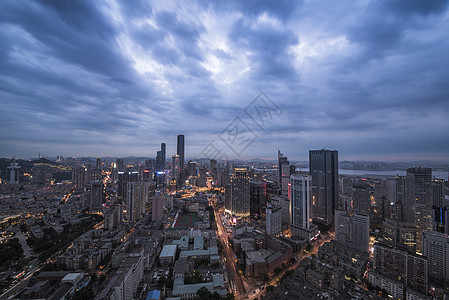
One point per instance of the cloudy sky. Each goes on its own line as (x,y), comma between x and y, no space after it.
(117,78)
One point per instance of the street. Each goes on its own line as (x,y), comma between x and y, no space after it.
(235,278)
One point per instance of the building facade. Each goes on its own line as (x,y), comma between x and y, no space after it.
(323,166)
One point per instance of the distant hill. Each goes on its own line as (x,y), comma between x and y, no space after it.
(25,165)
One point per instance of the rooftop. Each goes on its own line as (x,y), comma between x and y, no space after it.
(168,251)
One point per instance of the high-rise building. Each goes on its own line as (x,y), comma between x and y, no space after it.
(419,201)
(80,177)
(240,201)
(258,199)
(400,235)
(137,196)
(14,173)
(213,168)
(436,249)
(98,166)
(300,194)
(323,165)
(301,200)
(160,158)
(410,269)
(284,203)
(284,173)
(437,192)
(96,195)
(157,207)
(228,199)
(180,150)
(399,212)
(191,168)
(441,219)
(352,230)
(122,184)
(273,220)
(175,167)
(120,165)
(42,173)
(361,202)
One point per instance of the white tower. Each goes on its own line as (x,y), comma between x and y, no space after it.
(14,173)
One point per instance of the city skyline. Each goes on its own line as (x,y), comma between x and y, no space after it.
(117,79)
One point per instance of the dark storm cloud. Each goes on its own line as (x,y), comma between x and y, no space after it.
(269,46)
(119,77)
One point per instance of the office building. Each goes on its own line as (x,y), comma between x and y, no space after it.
(419,201)
(160,158)
(361,202)
(441,219)
(399,211)
(410,269)
(120,165)
(258,199)
(400,235)
(191,169)
(98,165)
(157,207)
(300,193)
(323,165)
(284,203)
(122,184)
(180,150)
(301,200)
(96,195)
(436,249)
(437,192)
(284,173)
(352,231)
(175,168)
(273,220)
(240,201)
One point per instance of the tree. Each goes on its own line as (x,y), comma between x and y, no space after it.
(308,247)
(22,263)
(23,228)
(270,288)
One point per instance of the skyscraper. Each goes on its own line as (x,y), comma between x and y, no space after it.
(175,167)
(361,202)
(400,235)
(436,249)
(120,165)
(191,168)
(240,201)
(284,173)
(160,158)
(352,230)
(273,220)
(419,201)
(157,207)
(137,196)
(98,166)
(180,150)
(301,200)
(96,195)
(300,194)
(323,165)
(258,198)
